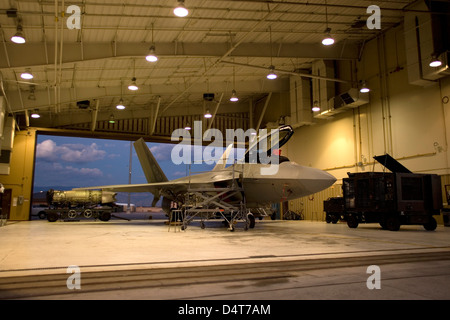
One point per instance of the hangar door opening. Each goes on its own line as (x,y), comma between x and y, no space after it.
(64,163)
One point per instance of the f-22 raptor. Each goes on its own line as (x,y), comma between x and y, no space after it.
(226,189)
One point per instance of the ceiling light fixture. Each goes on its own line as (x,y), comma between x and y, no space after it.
(234,97)
(27,75)
(18,37)
(364,87)
(188,126)
(35,115)
(133,86)
(316,107)
(151,57)
(111,119)
(120,106)
(272,75)
(435,62)
(180,10)
(208,115)
(328,40)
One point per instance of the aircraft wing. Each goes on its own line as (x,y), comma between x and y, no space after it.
(144,187)
(174,186)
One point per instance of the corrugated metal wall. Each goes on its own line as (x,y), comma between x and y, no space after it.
(312,205)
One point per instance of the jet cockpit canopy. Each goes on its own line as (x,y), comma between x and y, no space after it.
(267,145)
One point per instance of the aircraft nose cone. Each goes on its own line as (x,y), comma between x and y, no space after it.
(328,178)
(320,180)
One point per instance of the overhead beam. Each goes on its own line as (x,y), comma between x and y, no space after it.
(299,74)
(81,116)
(67,96)
(15,56)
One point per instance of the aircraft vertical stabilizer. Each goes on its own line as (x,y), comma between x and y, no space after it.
(152,170)
(222,162)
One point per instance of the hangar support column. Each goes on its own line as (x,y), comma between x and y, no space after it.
(20,178)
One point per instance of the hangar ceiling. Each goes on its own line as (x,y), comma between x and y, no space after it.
(220,46)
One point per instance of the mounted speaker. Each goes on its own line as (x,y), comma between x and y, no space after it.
(83,104)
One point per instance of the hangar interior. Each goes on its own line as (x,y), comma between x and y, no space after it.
(83,59)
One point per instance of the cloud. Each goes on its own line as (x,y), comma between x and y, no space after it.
(48,150)
(61,174)
(161,152)
(91,172)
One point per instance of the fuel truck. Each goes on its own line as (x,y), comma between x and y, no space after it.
(72,204)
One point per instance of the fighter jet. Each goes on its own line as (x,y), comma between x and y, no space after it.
(250,183)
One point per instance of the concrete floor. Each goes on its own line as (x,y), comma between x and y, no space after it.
(277,260)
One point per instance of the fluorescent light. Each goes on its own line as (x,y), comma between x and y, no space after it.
(133,85)
(234,97)
(180,10)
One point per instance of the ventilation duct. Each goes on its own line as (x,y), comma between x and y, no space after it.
(300,102)
(322,90)
(343,102)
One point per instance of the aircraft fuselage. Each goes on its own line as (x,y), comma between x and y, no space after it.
(291,181)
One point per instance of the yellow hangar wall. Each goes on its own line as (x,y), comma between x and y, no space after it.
(20,179)
(407,121)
